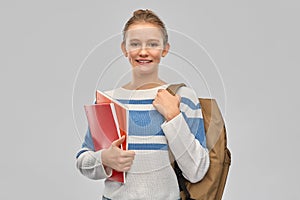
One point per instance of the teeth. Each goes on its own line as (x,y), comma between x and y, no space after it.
(144,61)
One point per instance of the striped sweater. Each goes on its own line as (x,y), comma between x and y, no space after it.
(151,137)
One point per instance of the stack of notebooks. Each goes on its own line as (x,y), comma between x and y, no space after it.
(108,121)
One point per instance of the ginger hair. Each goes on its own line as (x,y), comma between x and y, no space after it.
(146,16)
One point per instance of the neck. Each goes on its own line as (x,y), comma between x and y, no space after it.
(144,82)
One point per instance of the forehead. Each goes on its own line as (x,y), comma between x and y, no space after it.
(144,31)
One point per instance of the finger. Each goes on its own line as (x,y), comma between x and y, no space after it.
(127,166)
(119,141)
(128,154)
(126,169)
(126,161)
(155,102)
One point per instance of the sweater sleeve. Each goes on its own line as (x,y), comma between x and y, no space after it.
(186,137)
(88,161)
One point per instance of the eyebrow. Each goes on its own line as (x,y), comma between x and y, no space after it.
(155,40)
(132,40)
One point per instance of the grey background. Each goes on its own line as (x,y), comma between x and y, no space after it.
(255,45)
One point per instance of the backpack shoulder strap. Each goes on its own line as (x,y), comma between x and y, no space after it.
(174,87)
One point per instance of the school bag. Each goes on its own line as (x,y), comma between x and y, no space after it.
(211,187)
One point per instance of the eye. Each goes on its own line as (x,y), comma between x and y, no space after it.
(153,44)
(134,44)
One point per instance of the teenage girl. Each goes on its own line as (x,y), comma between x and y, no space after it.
(159,123)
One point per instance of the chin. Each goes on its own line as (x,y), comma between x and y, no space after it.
(146,69)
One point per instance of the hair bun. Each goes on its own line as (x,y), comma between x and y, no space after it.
(141,12)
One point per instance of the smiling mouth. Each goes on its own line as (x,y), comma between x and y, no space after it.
(143,61)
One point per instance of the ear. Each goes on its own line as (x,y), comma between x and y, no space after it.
(123,47)
(165,50)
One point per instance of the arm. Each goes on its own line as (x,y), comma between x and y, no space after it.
(89,162)
(186,137)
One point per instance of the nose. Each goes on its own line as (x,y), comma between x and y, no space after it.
(143,52)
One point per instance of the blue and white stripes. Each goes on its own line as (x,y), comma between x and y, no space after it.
(145,132)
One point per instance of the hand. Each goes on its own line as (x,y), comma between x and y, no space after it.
(167,104)
(116,158)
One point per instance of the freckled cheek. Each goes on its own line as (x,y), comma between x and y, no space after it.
(154,53)
(156,58)
(133,54)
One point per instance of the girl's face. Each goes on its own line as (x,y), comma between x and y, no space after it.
(144,46)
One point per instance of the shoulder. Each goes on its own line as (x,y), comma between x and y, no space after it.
(116,93)
(112,91)
(189,103)
(188,93)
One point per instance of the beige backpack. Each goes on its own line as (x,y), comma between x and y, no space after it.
(211,187)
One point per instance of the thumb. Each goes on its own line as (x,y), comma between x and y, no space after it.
(119,141)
